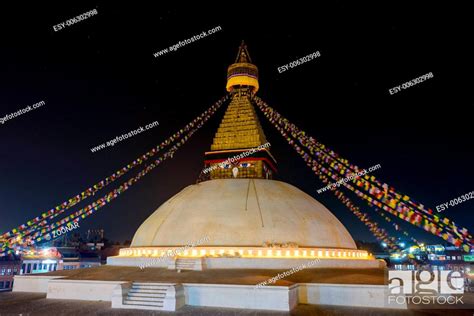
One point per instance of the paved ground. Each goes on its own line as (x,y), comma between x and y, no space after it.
(34,304)
(225,276)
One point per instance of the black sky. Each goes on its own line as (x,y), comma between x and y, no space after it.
(99,79)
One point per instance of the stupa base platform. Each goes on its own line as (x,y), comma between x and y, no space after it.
(250,263)
(245,257)
(234,288)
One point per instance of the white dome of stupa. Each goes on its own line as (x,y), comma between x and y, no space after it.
(243,212)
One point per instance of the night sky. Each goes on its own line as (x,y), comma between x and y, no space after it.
(99,80)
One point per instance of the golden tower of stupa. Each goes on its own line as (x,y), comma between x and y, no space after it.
(240,130)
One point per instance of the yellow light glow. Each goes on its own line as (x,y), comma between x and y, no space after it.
(242,80)
(251,252)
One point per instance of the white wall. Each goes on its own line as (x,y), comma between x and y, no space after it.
(241,296)
(32,283)
(356,295)
(82,289)
(280,298)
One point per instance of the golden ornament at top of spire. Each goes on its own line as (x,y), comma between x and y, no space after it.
(242,73)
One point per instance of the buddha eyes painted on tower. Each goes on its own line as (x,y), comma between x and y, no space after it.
(245,165)
(240,165)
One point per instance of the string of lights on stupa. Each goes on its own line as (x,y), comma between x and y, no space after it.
(359,181)
(407,213)
(378,232)
(404,214)
(389,197)
(43,234)
(41,221)
(396,226)
(21,239)
(340,165)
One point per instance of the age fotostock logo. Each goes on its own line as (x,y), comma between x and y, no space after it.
(425,287)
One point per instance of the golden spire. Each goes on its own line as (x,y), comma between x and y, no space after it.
(240,131)
(243,54)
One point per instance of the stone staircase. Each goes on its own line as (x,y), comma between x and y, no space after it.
(149,296)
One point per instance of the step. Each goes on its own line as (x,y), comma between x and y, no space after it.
(147,291)
(185,264)
(185,267)
(143,303)
(141,294)
(150,287)
(154,283)
(145,299)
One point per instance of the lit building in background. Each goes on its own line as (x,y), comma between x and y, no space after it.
(436,257)
(9,267)
(41,260)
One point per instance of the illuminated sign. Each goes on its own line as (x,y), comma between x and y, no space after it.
(469,258)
